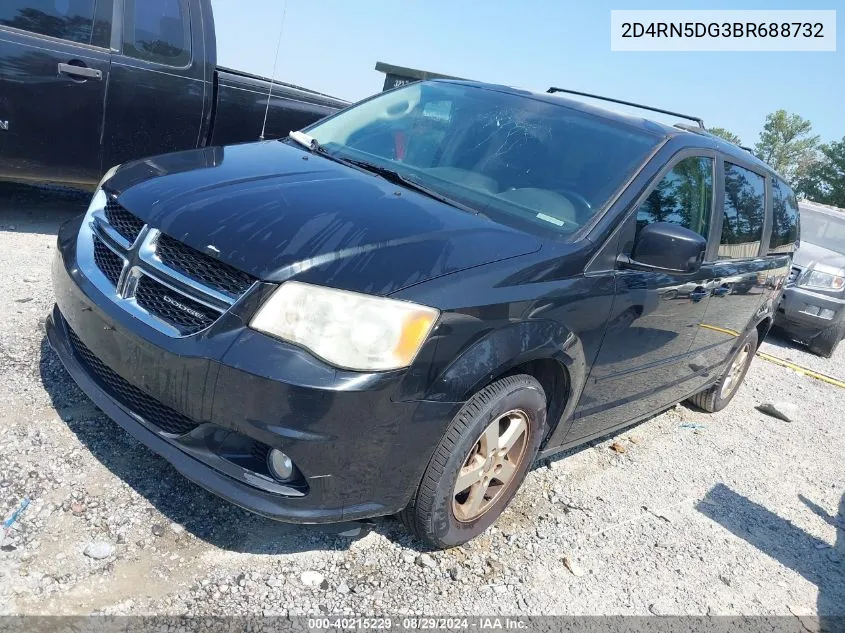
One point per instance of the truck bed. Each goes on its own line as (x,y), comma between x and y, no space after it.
(241,101)
(339,103)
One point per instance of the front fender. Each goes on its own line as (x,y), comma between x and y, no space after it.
(501,350)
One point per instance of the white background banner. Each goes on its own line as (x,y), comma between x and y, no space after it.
(723,30)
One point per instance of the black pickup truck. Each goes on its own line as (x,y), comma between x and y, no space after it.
(87,84)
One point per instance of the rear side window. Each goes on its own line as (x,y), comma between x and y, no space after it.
(71,20)
(158,31)
(784,219)
(684,196)
(744,210)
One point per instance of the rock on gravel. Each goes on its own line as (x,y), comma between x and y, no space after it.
(572,567)
(785,411)
(424,560)
(311,578)
(98,550)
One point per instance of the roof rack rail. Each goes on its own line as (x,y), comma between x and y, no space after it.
(698,120)
(706,132)
(695,129)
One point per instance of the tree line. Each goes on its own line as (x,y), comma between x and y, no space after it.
(815,170)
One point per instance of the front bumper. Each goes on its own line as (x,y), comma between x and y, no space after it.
(360,453)
(792,315)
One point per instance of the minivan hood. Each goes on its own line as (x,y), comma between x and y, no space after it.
(811,255)
(278,212)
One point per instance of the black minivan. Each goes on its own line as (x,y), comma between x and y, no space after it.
(400,308)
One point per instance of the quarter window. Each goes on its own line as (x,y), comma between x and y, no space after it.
(71,20)
(158,31)
(744,210)
(684,196)
(784,219)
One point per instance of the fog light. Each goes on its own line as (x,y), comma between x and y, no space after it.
(280,465)
(826,314)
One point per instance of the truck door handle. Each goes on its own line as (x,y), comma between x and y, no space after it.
(83,72)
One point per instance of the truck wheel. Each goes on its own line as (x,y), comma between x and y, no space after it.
(479,464)
(718,396)
(825,343)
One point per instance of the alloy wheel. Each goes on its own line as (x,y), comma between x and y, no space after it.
(490,466)
(735,372)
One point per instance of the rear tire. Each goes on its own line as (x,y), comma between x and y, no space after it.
(718,396)
(826,342)
(495,434)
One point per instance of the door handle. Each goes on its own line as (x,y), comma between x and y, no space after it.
(83,72)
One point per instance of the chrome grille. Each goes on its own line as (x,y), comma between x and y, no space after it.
(793,276)
(201,267)
(164,283)
(132,398)
(183,313)
(109,262)
(126,224)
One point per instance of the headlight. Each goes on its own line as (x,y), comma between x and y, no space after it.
(111,172)
(98,202)
(826,281)
(347,329)
(100,199)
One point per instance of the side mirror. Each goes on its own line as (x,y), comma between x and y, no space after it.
(667,247)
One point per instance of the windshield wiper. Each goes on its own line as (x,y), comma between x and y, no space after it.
(395,177)
(391,175)
(308,142)
(313,145)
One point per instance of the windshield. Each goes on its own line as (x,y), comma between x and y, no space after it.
(513,158)
(823,230)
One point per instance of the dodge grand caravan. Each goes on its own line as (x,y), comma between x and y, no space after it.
(400,308)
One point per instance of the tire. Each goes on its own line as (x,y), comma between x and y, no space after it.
(716,398)
(438,514)
(825,343)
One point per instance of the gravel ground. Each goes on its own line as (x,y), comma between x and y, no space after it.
(781,345)
(732,513)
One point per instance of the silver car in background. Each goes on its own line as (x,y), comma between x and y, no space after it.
(812,308)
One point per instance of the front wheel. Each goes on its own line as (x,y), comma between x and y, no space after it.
(718,396)
(480,463)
